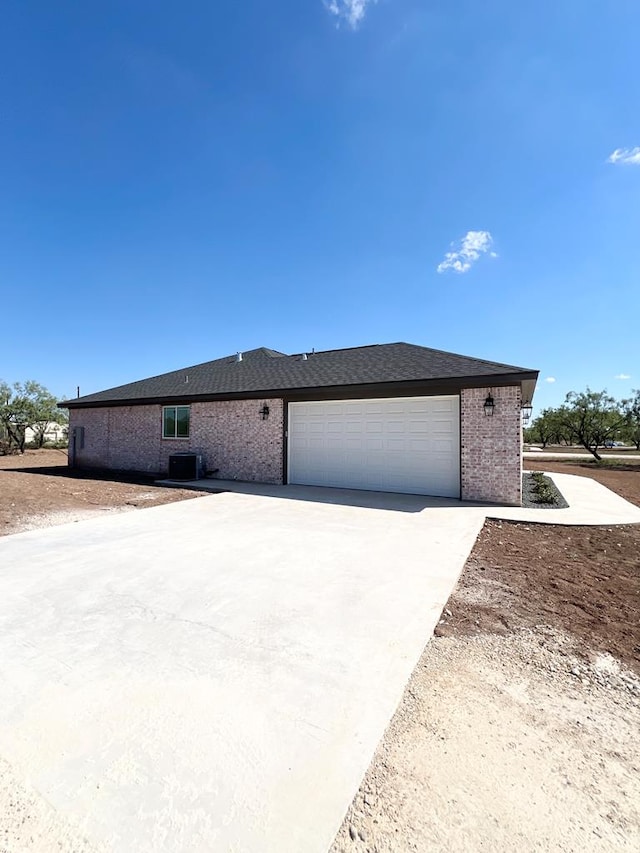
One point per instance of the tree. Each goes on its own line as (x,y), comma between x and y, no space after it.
(46,411)
(24,405)
(591,418)
(15,415)
(631,430)
(547,428)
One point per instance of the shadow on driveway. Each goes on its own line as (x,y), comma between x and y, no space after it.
(391,501)
(63,471)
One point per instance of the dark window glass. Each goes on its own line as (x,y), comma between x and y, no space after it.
(175,421)
(182,421)
(169,422)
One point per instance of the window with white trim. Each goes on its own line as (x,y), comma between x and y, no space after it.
(175,421)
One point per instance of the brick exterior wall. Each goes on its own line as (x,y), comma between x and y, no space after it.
(491,447)
(231,436)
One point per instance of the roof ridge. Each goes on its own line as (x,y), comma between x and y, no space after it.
(274,353)
(263,369)
(419,347)
(340,349)
(471,357)
(185,370)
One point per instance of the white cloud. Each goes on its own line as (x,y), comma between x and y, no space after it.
(351,11)
(626,156)
(467,251)
(550,379)
(622,376)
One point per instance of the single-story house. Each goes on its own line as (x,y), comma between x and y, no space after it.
(390,417)
(54,432)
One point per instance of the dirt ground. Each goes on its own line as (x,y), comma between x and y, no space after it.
(37,489)
(518,729)
(584,580)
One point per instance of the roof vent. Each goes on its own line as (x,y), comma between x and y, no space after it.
(305,357)
(238,356)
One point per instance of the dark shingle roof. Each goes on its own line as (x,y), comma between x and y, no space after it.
(263,370)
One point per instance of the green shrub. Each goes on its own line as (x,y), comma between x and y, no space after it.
(543,491)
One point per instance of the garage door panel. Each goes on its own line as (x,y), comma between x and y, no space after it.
(335,443)
(400,444)
(442,426)
(297,441)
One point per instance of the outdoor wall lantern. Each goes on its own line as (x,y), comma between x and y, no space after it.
(489,405)
(264,412)
(527,409)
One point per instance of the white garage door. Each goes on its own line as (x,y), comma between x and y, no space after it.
(401,444)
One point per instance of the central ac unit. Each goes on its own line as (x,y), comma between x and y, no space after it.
(185,466)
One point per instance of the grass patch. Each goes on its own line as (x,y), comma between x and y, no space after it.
(632,463)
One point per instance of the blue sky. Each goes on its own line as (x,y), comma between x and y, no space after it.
(182,181)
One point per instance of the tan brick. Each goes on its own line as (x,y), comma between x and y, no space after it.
(491,447)
(231,436)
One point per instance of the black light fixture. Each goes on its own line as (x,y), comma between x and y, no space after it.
(526,410)
(264,411)
(489,405)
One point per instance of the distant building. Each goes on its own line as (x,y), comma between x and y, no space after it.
(54,433)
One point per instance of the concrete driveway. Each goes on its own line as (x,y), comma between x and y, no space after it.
(213,674)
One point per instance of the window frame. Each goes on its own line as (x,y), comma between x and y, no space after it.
(175,436)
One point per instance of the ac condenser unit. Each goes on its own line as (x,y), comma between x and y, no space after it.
(185,466)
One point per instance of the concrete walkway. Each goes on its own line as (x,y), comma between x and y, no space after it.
(590,503)
(215,675)
(632,456)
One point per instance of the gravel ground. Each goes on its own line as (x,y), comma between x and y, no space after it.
(529,497)
(504,743)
